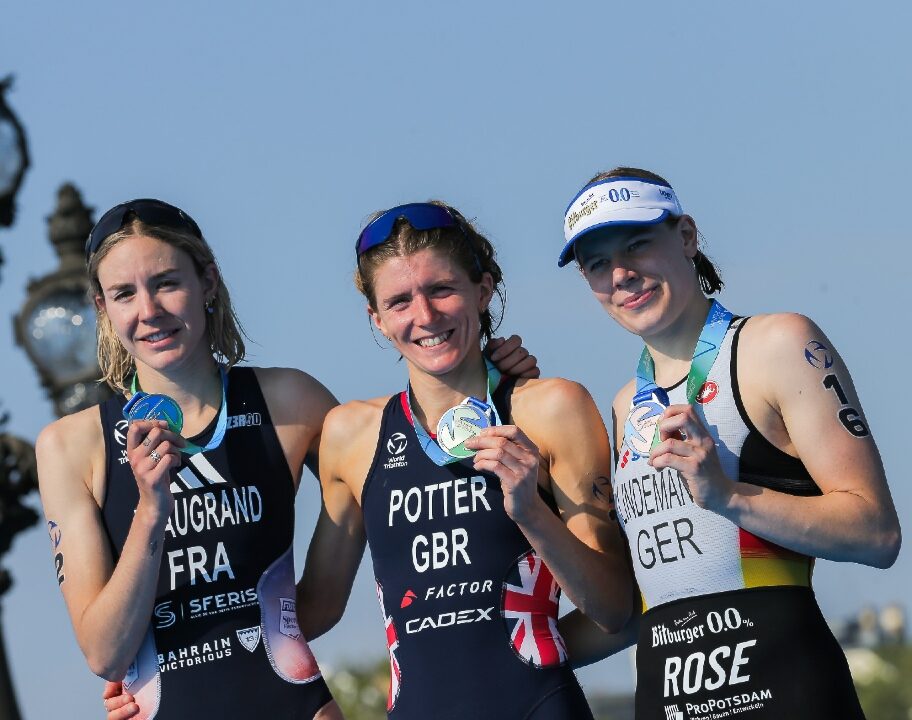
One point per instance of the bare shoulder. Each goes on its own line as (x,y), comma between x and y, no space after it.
(293,396)
(351,421)
(550,397)
(623,398)
(767,335)
(554,411)
(349,440)
(72,445)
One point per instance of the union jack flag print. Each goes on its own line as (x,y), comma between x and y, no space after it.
(392,643)
(530,599)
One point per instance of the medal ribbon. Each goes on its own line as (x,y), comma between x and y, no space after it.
(429,444)
(705,353)
(220,426)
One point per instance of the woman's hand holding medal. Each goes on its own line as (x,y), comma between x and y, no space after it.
(686,446)
(506,451)
(153,450)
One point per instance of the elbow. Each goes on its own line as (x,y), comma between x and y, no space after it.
(613,617)
(107,668)
(887,549)
(315,620)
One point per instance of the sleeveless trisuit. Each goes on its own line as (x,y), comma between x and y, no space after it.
(223,640)
(470,610)
(731,627)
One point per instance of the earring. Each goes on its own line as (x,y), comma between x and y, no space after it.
(208,306)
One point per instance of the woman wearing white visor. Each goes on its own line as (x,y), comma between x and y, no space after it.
(742,455)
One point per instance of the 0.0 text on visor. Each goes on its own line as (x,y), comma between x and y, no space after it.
(616,201)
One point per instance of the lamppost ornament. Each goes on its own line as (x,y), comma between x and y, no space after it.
(14,157)
(56,325)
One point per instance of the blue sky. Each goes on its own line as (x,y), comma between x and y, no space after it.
(280,126)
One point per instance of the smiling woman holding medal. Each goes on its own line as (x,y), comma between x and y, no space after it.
(174,553)
(474,492)
(742,454)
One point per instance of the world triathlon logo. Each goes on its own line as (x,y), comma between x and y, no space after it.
(396,443)
(818,355)
(120,432)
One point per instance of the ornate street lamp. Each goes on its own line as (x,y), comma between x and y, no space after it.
(56,325)
(14,158)
(18,476)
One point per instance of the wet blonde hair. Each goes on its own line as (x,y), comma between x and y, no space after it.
(223,328)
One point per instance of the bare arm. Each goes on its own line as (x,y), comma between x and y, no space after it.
(587,643)
(109,605)
(582,547)
(816,416)
(339,538)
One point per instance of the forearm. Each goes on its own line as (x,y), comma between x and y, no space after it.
(333,556)
(112,627)
(598,584)
(587,643)
(318,611)
(839,525)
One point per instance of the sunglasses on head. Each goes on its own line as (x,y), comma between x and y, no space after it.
(421,216)
(149,211)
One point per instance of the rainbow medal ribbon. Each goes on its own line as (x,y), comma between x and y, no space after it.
(641,430)
(155,406)
(458,424)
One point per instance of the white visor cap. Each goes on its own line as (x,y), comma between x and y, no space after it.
(616,201)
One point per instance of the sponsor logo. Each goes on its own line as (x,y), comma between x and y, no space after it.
(818,354)
(626,458)
(206,652)
(208,475)
(672,713)
(661,635)
(167,613)
(245,420)
(742,702)
(707,392)
(120,432)
(665,194)
(588,207)
(408,599)
(288,619)
(396,443)
(249,637)
(438,592)
(448,619)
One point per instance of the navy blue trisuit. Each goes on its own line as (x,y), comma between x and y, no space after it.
(223,640)
(470,610)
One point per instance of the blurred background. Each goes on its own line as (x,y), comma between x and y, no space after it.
(281,126)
